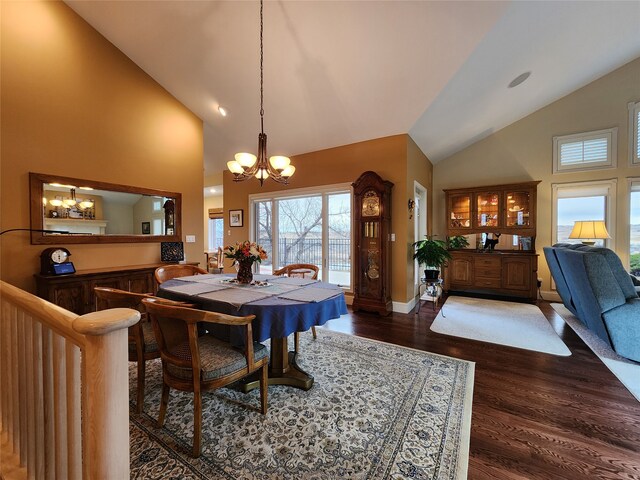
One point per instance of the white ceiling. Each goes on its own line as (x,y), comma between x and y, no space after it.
(339,72)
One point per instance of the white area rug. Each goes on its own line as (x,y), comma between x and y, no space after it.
(518,325)
(627,371)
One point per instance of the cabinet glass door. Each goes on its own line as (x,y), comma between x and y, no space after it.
(460,211)
(488,208)
(518,209)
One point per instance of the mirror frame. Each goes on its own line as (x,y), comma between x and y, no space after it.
(36,182)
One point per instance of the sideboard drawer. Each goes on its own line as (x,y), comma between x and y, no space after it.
(487,262)
(487,282)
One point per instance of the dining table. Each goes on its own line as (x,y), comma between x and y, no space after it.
(281,305)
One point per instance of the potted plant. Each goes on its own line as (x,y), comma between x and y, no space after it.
(432,254)
(457,242)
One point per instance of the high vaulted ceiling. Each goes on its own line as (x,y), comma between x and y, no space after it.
(339,72)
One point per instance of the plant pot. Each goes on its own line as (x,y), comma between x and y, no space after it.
(245,275)
(431,274)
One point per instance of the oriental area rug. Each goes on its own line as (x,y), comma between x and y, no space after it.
(375,411)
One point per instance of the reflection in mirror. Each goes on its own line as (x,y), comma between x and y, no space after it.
(476,241)
(97,212)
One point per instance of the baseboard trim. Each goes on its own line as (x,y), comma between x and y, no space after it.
(550,296)
(399,307)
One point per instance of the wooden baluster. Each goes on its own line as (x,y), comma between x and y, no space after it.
(30,406)
(4,367)
(22,387)
(39,471)
(13,369)
(74,426)
(60,405)
(47,386)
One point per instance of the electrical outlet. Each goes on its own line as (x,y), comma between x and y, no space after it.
(191,239)
(393,237)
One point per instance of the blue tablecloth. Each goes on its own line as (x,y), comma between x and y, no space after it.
(275,317)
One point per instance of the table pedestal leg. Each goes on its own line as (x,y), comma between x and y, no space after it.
(283,369)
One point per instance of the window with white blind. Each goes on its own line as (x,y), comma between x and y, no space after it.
(634,129)
(585,151)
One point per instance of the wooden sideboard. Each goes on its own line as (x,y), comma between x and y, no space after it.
(512,274)
(75,292)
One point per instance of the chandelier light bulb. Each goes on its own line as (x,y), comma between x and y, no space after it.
(69,202)
(288,171)
(245,160)
(279,162)
(235,168)
(262,174)
(55,202)
(44,201)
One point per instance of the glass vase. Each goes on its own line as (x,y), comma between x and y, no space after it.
(245,274)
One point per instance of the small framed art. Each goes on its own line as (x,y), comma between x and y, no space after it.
(235,218)
(146,228)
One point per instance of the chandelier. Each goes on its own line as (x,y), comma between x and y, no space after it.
(247,165)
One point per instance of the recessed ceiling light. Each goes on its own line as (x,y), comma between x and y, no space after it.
(519,79)
(222,110)
(212,190)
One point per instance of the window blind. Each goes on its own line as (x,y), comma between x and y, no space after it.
(595,150)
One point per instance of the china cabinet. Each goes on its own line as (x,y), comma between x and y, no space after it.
(494,210)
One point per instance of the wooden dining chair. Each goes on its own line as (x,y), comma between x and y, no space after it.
(167,272)
(142,341)
(195,364)
(304,270)
(215,261)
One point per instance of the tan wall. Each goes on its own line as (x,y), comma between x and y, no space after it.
(74,105)
(523,151)
(419,169)
(385,156)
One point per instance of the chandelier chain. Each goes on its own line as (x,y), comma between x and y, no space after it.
(261,72)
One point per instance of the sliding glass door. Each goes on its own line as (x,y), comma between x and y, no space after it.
(306,226)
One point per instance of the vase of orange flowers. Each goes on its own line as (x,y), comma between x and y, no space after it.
(244,255)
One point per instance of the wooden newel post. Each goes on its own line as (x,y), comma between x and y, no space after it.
(105,399)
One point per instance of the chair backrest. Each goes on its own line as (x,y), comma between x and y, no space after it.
(176,330)
(167,272)
(290,270)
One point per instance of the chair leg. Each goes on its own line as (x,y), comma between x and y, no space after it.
(264,388)
(313,330)
(163,404)
(197,423)
(140,392)
(296,342)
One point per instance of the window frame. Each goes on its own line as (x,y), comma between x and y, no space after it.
(611,134)
(610,207)
(630,184)
(634,134)
(324,191)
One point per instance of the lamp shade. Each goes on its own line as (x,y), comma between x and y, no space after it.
(589,230)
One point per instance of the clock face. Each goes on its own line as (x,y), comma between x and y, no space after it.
(59,256)
(370,205)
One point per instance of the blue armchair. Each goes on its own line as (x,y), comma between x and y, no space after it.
(594,285)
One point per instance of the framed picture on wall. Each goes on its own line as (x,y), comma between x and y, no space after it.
(235,218)
(146,228)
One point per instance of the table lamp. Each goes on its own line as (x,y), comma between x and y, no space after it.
(589,231)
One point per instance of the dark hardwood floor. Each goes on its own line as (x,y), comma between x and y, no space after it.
(535,416)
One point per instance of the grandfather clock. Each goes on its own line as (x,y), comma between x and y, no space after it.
(372,229)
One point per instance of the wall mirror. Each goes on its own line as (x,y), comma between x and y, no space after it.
(87,211)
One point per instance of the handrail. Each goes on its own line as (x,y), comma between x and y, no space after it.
(64,396)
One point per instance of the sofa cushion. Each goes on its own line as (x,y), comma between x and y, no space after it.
(618,270)
(623,325)
(593,288)
(558,277)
